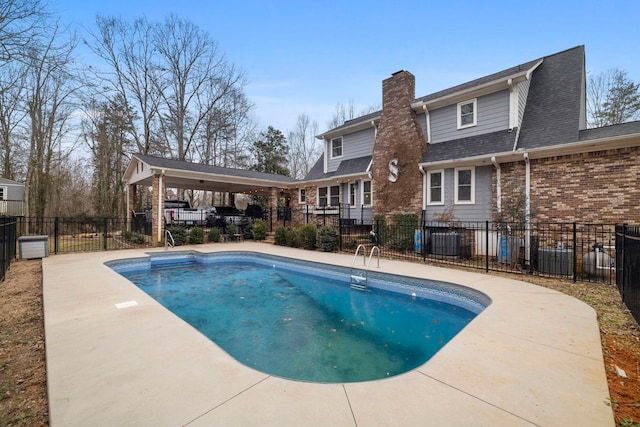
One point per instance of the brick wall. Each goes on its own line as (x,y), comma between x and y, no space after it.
(598,187)
(399,136)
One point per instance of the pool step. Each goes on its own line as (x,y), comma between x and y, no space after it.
(358,282)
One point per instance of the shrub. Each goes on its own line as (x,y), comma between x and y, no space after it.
(259,230)
(232,229)
(247,232)
(328,239)
(292,237)
(133,237)
(214,235)
(405,228)
(308,236)
(280,237)
(179,235)
(196,236)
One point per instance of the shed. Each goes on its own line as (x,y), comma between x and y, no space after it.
(12,195)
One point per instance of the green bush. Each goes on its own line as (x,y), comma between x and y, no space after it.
(196,236)
(292,237)
(133,237)
(214,235)
(308,236)
(328,239)
(179,235)
(231,229)
(259,230)
(247,232)
(280,237)
(403,239)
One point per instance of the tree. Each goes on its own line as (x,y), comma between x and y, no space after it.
(50,92)
(12,115)
(303,146)
(612,99)
(270,151)
(20,22)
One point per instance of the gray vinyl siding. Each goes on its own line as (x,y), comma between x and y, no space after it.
(523,92)
(354,145)
(480,210)
(14,191)
(422,121)
(362,214)
(493,115)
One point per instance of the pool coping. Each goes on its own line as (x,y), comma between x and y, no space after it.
(533,357)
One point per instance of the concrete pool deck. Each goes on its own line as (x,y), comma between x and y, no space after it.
(532,358)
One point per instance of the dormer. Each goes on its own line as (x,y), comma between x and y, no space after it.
(485,105)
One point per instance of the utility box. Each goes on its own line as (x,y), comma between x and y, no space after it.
(32,247)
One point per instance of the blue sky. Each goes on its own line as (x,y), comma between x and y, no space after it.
(306,56)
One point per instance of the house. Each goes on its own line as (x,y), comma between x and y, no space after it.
(510,146)
(12,196)
(468,151)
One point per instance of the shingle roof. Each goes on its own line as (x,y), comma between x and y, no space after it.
(218,170)
(472,146)
(552,114)
(622,129)
(346,167)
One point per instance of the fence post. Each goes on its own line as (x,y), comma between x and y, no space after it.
(104,235)
(625,275)
(575,254)
(56,231)
(486,246)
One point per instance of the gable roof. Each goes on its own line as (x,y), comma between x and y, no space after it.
(555,102)
(159,162)
(6,181)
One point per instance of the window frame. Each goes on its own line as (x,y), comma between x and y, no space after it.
(364,193)
(331,148)
(353,194)
(302,196)
(329,196)
(472,186)
(430,202)
(474,102)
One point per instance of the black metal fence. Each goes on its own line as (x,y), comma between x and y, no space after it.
(85,234)
(584,252)
(8,237)
(628,267)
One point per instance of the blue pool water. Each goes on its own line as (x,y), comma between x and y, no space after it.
(302,321)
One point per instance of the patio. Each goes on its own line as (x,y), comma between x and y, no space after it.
(533,357)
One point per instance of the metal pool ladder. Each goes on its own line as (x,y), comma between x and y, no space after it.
(358,276)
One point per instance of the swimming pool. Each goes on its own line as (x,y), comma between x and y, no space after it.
(300,320)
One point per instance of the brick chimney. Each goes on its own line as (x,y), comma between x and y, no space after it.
(399,145)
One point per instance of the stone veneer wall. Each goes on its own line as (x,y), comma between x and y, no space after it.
(599,187)
(399,136)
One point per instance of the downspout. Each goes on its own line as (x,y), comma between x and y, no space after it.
(427,119)
(527,209)
(498,184)
(424,187)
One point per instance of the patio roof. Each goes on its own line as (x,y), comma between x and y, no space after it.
(195,176)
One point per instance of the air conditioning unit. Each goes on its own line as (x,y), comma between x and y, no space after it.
(555,261)
(446,244)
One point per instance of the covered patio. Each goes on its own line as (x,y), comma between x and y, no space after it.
(160,174)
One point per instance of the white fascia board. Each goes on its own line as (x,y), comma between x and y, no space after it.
(354,127)
(473,92)
(335,179)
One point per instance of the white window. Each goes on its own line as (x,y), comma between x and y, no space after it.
(435,187)
(353,187)
(465,186)
(329,196)
(302,196)
(336,147)
(467,113)
(366,193)
(3,193)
